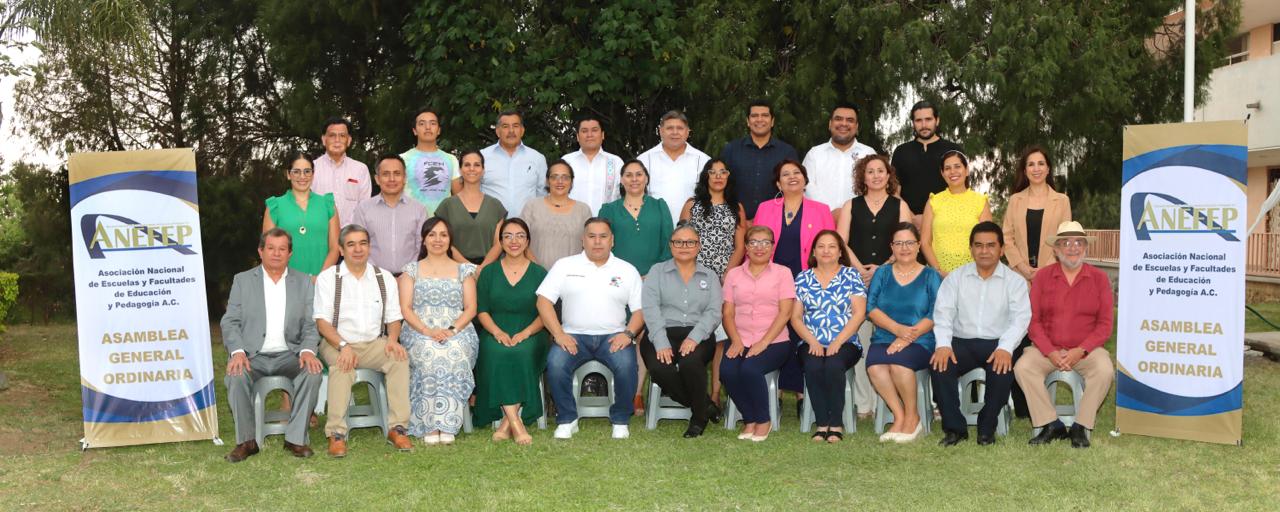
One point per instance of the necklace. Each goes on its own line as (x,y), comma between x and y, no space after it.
(904,274)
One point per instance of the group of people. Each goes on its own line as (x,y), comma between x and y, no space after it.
(468,278)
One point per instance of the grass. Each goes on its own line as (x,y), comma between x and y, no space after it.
(41,467)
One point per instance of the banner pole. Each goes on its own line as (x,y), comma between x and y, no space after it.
(1189,63)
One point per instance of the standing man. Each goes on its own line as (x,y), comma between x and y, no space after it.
(919,161)
(357,311)
(830,164)
(268,331)
(981,315)
(596,289)
(597,172)
(673,164)
(337,174)
(751,159)
(432,175)
(514,172)
(394,220)
(1072,313)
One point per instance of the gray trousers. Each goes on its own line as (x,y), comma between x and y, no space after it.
(306,389)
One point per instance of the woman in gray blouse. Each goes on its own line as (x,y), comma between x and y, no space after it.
(682,305)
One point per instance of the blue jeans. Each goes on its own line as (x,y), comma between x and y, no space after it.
(561,365)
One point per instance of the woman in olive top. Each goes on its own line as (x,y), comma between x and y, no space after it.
(473,215)
(641,223)
(310,218)
(1035,211)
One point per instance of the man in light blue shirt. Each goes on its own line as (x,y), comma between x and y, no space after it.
(513,173)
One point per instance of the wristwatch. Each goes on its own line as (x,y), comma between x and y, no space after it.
(342,344)
(453,329)
(630,335)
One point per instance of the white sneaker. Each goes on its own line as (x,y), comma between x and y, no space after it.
(621,432)
(566,430)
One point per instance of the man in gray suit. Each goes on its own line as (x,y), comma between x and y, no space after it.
(268,331)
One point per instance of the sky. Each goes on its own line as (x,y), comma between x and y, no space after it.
(13,145)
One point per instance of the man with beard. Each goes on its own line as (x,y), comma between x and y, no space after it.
(919,161)
(830,164)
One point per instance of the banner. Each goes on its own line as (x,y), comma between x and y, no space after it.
(146,366)
(1180,336)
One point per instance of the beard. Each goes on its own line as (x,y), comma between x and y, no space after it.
(843,141)
(924,134)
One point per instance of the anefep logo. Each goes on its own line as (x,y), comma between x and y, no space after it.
(1178,217)
(102,236)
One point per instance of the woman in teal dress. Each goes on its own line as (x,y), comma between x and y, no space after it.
(513,344)
(309,218)
(641,223)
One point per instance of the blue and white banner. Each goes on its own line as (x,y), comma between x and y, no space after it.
(146,366)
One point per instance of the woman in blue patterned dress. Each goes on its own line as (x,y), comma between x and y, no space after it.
(438,299)
(832,303)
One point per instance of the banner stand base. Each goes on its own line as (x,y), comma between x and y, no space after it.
(217,441)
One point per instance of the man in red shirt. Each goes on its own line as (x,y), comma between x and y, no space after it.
(1072,313)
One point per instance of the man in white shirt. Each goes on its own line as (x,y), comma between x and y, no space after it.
(597,172)
(268,332)
(673,164)
(830,164)
(596,289)
(513,172)
(357,311)
(981,314)
(335,173)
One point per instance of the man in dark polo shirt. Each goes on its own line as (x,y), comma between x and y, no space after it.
(751,159)
(919,161)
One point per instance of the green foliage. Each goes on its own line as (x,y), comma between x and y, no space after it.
(1097,209)
(8,295)
(43,259)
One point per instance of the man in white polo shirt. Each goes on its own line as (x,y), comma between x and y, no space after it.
(597,172)
(673,164)
(596,289)
(830,164)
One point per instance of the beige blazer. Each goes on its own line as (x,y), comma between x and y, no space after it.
(1056,211)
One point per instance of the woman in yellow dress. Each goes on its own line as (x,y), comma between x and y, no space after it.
(950,215)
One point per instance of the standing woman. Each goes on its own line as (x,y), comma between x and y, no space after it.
(758,298)
(830,305)
(513,345)
(556,220)
(438,300)
(310,218)
(900,304)
(1034,213)
(950,215)
(473,216)
(682,306)
(641,223)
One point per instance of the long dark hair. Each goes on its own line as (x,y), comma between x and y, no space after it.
(426,228)
(1020,179)
(844,256)
(528,235)
(648,179)
(702,191)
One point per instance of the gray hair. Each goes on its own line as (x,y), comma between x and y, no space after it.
(674,114)
(352,228)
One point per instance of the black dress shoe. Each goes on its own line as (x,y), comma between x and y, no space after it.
(986,439)
(1048,433)
(713,413)
(1079,436)
(694,431)
(953,438)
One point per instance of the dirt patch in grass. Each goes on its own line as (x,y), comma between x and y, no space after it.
(20,434)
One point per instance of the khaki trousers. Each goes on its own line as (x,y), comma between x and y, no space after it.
(1095,368)
(370,355)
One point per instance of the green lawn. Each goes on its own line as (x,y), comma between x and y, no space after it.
(41,467)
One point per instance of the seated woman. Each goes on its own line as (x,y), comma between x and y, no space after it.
(438,300)
(900,304)
(831,303)
(513,345)
(682,302)
(758,298)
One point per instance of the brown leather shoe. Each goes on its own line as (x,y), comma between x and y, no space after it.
(398,438)
(243,451)
(298,450)
(338,446)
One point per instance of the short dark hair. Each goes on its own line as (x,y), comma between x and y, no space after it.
(987,226)
(846,104)
(921,105)
(510,112)
(389,156)
(587,116)
(598,220)
(517,221)
(844,255)
(335,120)
(426,228)
(413,123)
(759,103)
(777,170)
(906,226)
(275,232)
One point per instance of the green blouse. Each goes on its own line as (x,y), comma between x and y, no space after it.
(472,235)
(644,239)
(309,228)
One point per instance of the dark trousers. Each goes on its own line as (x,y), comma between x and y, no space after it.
(1019,398)
(743,378)
(791,375)
(825,377)
(685,379)
(970,354)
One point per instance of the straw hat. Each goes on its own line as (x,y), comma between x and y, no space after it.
(1069,229)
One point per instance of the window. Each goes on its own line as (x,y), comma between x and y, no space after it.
(1238,49)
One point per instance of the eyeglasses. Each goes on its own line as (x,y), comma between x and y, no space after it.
(759,243)
(718,172)
(304,172)
(684,243)
(560,177)
(514,236)
(1071,242)
(904,243)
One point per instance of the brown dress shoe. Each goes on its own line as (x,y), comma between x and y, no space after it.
(399,439)
(338,446)
(243,451)
(298,450)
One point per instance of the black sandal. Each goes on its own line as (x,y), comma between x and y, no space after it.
(820,437)
(834,434)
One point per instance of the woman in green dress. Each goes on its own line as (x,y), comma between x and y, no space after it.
(513,344)
(473,215)
(309,218)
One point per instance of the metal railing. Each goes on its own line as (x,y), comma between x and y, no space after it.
(1262,254)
